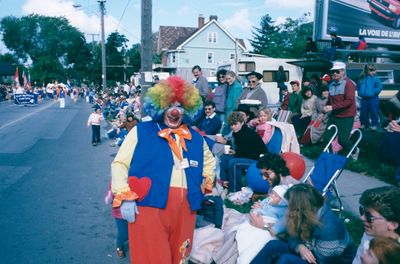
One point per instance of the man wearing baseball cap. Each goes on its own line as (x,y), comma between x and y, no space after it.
(342,105)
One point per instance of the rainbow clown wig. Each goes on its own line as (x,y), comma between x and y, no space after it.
(169,92)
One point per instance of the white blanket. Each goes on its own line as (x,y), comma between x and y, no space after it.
(250,240)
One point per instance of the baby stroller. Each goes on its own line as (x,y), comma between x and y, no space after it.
(327,169)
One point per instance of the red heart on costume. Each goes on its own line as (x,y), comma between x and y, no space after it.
(139,186)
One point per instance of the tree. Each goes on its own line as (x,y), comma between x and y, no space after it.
(115,56)
(51,43)
(8,57)
(286,40)
(266,40)
(134,58)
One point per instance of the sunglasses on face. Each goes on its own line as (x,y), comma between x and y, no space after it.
(252,81)
(370,218)
(335,71)
(371,70)
(266,174)
(221,76)
(208,108)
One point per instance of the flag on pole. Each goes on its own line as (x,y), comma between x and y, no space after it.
(16,77)
(25,80)
(29,80)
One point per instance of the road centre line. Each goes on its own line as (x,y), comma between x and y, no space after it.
(26,116)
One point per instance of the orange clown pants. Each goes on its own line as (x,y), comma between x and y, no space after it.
(163,235)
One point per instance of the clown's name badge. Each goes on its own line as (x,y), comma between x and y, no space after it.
(182,164)
(194,163)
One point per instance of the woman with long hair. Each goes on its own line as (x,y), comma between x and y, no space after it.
(315,233)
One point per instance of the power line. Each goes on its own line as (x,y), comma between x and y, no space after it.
(123,13)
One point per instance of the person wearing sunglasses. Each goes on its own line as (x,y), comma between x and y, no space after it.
(211,123)
(220,94)
(254,91)
(342,106)
(369,87)
(380,214)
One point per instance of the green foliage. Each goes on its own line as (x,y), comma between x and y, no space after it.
(8,57)
(368,162)
(286,40)
(51,43)
(115,56)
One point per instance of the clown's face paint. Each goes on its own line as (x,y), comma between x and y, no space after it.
(173,116)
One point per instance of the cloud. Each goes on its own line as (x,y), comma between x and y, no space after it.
(238,22)
(184,10)
(303,6)
(232,4)
(85,18)
(280,20)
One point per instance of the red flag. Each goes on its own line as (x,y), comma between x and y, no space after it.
(16,77)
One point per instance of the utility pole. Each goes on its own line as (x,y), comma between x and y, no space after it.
(146,36)
(146,47)
(103,46)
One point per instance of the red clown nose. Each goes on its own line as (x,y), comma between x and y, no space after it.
(175,112)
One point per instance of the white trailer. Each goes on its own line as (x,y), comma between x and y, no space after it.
(268,67)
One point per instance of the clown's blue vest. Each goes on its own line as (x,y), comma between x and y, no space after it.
(153,158)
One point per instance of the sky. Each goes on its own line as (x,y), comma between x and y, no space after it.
(239,17)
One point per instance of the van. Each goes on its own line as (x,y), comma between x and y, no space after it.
(268,67)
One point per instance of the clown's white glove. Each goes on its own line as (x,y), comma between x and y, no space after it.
(129,210)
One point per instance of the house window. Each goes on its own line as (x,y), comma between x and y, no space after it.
(173,58)
(210,57)
(212,37)
(231,56)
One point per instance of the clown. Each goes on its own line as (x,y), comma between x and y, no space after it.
(160,173)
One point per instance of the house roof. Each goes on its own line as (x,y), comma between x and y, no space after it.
(213,21)
(6,69)
(169,35)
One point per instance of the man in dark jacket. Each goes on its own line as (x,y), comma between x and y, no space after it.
(336,43)
(211,123)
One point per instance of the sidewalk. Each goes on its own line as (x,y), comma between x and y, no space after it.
(351,185)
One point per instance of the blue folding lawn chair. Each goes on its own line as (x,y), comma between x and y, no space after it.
(328,167)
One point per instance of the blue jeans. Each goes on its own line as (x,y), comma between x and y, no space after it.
(231,169)
(329,52)
(122,232)
(370,108)
(277,251)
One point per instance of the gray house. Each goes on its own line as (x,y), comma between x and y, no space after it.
(206,45)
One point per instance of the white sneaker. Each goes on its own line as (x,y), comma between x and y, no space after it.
(356,153)
(373,127)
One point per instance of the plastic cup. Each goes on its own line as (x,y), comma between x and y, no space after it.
(227,148)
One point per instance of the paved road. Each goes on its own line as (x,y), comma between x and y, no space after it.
(52,185)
